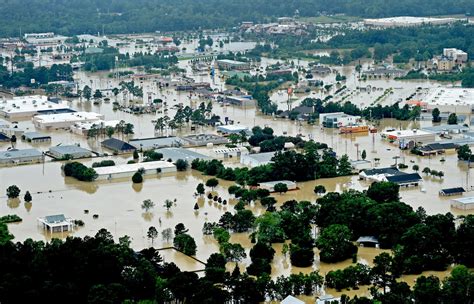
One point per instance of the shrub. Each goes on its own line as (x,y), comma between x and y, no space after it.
(137,178)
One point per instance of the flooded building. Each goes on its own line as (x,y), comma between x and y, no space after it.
(127,170)
(232,129)
(65,120)
(117,145)
(205,139)
(257,159)
(239,100)
(69,152)
(35,137)
(451,100)
(56,223)
(337,120)
(18,157)
(174,154)
(28,106)
(465,203)
(226,64)
(147,144)
(270,186)
(83,128)
(407,139)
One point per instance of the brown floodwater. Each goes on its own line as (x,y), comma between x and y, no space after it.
(118,202)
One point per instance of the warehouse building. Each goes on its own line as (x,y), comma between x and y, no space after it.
(226,64)
(127,170)
(18,157)
(28,106)
(65,120)
(69,152)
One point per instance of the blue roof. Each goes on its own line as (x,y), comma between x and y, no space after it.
(52,219)
(15,154)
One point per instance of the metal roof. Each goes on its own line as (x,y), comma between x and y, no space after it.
(54,219)
(25,153)
(67,149)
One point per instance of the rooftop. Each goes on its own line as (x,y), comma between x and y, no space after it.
(117,145)
(232,128)
(455,190)
(35,135)
(465,200)
(228,61)
(133,167)
(446,128)
(68,117)
(385,171)
(25,104)
(14,153)
(157,142)
(450,96)
(67,149)
(404,178)
(180,153)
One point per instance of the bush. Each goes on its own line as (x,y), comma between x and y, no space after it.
(181,165)
(137,178)
(104,163)
(79,171)
(11,218)
(27,197)
(13,191)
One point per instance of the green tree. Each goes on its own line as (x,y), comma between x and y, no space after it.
(13,191)
(384,192)
(335,244)
(185,243)
(98,94)
(280,188)
(147,205)
(344,168)
(87,92)
(200,189)
(28,197)
(109,131)
(427,290)
(212,182)
(137,178)
(135,155)
(319,189)
(181,165)
(426,170)
(452,119)
(416,168)
(168,204)
(363,155)
(435,114)
(152,234)
(464,152)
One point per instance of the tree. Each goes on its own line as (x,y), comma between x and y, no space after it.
(168,204)
(427,290)
(200,189)
(212,182)
(344,168)
(426,170)
(363,155)
(382,272)
(319,189)
(13,191)
(97,94)
(280,188)
(215,268)
(181,165)
(135,155)
(167,234)
(152,234)
(335,244)
(458,287)
(109,131)
(464,152)
(180,229)
(452,119)
(185,243)
(147,205)
(435,114)
(87,92)
(415,168)
(384,192)
(28,197)
(137,178)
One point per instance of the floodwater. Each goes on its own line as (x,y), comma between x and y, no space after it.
(117,202)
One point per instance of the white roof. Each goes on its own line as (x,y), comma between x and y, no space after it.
(233,128)
(291,300)
(409,20)
(68,117)
(29,104)
(228,61)
(133,167)
(465,200)
(407,133)
(450,96)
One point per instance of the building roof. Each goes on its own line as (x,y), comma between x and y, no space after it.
(117,145)
(35,135)
(124,168)
(68,117)
(3,137)
(455,190)
(261,157)
(446,128)
(273,183)
(450,96)
(438,146)
(465,200)
(385,171)
(291,300)
(368,239)
(233,62)
(157,142)
(404,178)
(54,219)
(24,153)
(30,104)
(180,153)
(232,128)
(68,149)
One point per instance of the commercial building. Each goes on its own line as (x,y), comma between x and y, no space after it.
(404,21)
(18,157)
(405,179)
(230,152)
(180,153)
(257,159)
(465,203)
(452,191)
(447,129)
(28,106)
(65,120)
(232,129)
(338,119)
(127,170)
(437,148)
(35,137)
(205,140)
(451,100)
(69,152)
(239,100)
(226,64)
(56,223)
(118,145)
(455,55)
(407,139)
(147,144)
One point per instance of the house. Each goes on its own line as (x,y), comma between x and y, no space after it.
(465,203)
(338,119)
(118,145)
(270,186)
(35,137)
(56,223)
(368,241)
(69,152)
(437,148)
(257,159)
(405,179)
(291,300)
(378,174)
(17,157)
(300,113)
(452,191)
(407,139)
(321,70)
(232,129)
(180,153)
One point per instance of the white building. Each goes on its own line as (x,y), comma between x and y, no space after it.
(232,129)
(65,120)
(407,139)
(465,203)
(56,223)
(338,119)
(127,170)
(458,56)
(270,186)
(18,157)
(451,100)
(28,106)
(257,159)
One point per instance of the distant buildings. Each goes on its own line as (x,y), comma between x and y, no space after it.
(450,60)
(229,65)
(405,21)
(385,72)
(451,100)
